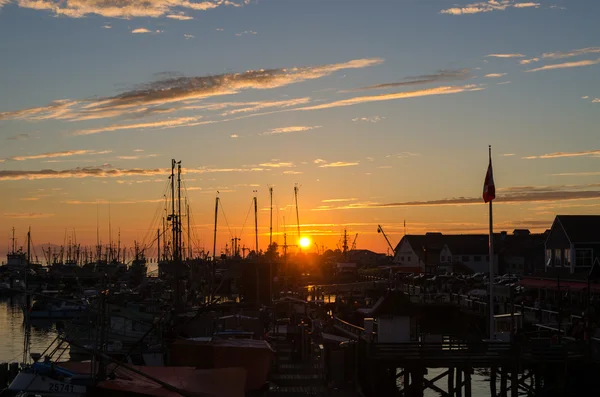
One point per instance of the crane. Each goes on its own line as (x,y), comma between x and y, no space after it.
(380,230)
(353,247)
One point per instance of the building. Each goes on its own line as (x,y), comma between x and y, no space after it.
(573,244)
(367,258)
(519,252)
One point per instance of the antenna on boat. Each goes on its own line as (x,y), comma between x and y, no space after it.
(110,246)
(256,220)
(271,215)
(296,188)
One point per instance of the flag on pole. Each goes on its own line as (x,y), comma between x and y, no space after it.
(489,189)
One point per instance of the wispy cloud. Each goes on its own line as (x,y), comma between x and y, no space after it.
(492,75)
(562,55)
(79,172)
(566,65)
(371,119)
(441,76)
(141,30)
(188,36)
(339,200)
(246,32)
(234,136)
(289,172)
(18,137)
(596,100)
(444,90)
(184,91)
(170,123)
(287,130)
(180,17)
(319,161)
(338,164)
(103,202)
(138,157)
(590,173)
(506,55)
(565,154)
(488,6)
(508,154)
(277,165)
(26,215)
(65,153)
(504,82)
(402,155)
(124,9)
(107,26)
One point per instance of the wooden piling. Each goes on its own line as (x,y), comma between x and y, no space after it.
(514,382)
(493,372)
(458,382)
(3,375)
(468,373)
(503,382)
(450,382)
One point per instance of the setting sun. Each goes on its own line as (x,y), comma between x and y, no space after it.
(304,242)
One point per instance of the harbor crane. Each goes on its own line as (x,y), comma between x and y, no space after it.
(380,230)
(353,247)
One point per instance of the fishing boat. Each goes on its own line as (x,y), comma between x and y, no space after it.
(44,309)
(47,379)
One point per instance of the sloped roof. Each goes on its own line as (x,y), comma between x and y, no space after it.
(581,228)
(468,244)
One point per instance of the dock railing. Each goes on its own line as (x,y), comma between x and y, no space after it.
(347,327)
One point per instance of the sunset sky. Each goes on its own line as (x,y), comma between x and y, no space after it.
(381,112)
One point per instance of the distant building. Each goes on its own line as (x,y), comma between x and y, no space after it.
(573,244)
(366,258)
(438,253)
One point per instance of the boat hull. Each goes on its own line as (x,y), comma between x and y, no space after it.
(36,384)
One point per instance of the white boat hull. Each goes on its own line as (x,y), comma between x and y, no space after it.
(33,383)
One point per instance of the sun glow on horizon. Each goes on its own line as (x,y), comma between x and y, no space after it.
(304,242)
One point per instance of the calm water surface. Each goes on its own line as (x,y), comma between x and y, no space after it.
(12,330)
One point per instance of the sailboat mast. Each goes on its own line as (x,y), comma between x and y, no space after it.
(271,217)
(13,240)
(215,234)
(296,188)
(189,230)
(256,221)
(173,222)
(110,246)
(179,240)
(158,245)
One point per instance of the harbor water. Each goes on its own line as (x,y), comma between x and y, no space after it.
(12,331)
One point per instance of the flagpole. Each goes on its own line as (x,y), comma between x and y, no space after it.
(491,262)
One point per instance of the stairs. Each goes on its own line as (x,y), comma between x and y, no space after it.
(290,377)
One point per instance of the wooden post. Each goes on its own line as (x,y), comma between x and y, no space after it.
(468,373)
(538,382)
(458,382)
(417,386)
(493,371)
(514,382)
(503,383)
(450,382)
(406,382)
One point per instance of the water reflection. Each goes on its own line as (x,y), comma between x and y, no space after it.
(12,330)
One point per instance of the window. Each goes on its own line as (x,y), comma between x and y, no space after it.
(548,257)
(401,259)
(409,258)
(557,257)
(583,257)
(465,258)
(567,258)
(443,258)
(477,258)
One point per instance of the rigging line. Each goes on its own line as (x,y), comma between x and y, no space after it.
(225,216)
(156,219)
(246,220)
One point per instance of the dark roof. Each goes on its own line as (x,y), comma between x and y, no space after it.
(468,244)
(581,228)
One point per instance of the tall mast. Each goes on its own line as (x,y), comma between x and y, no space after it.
(215,235)
(296,188)
(345,246)
(189,235)
(256,221)
(173,222)
(98,248)
(13,240)
(164,230)
(179,250)
(110,246)
(271,216)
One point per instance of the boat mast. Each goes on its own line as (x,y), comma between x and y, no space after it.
(271,216)
(189,230)
(179,242)
(27,301)
(296,188)
(256,221)
(158,244)
(214,261)
(13,240)
(173,222)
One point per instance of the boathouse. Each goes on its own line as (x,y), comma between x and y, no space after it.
(573,244)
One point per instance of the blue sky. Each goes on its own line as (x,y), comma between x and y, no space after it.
(385,107)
